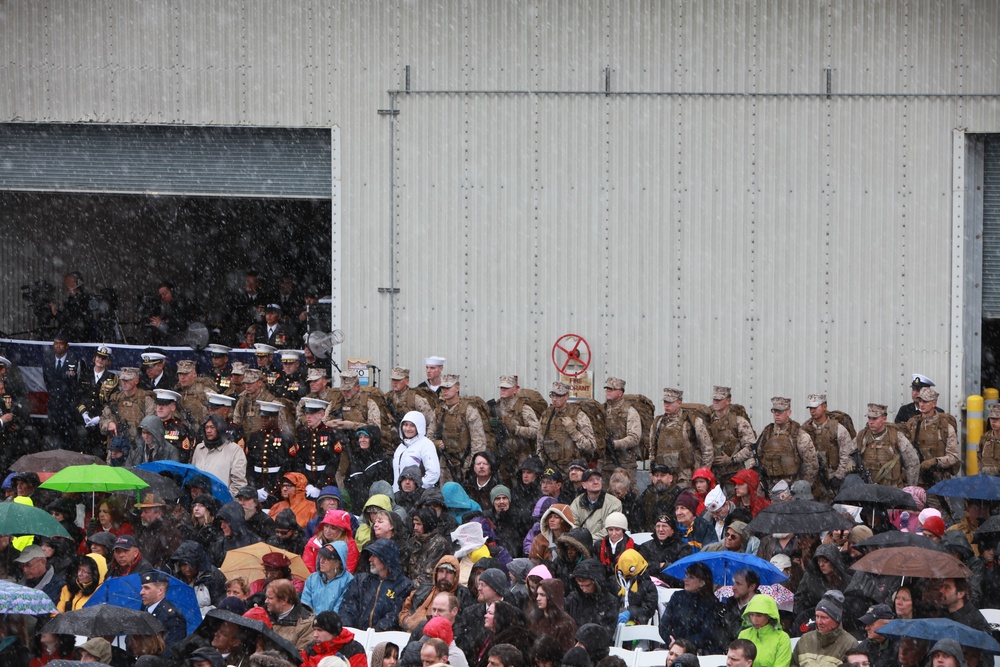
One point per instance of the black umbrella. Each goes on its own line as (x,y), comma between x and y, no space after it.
(100,619)
(162,486)
(897,538)
(216,616)
(886,497)
(990,527)
(797,516)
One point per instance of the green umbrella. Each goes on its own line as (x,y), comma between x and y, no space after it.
(75,479)
(18,519)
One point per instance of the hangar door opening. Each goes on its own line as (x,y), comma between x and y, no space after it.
(129,207)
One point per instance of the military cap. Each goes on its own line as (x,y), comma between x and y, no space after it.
(154,577)
(552,473)
(151,500)
(578,463)
(217,350)
(449,381)
(875,410)
(815,400)
(920,381)
(153,358)
(103,351)
(164,396)
(671,395)
(4,361)
(186,366)
(272,307)
(264,350)
(434,361)
(995,411)
(220,400)
(125,542)
(560,388)
(269,407)
(400,373)
(781,404)
(251,375)
(290,356)
(348,378)
(128,373)
(315,374)
(314,404)
(614,383)
(508,381)
(928,394)
(721,393)
(238,368)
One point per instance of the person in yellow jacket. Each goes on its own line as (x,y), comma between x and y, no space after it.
(90,573)
(774,648)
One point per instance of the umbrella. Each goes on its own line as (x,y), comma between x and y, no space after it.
(216,616)
(897,538)
(99,619)
(124,592)
(886,497)
(724,563)
(74,479)
(975,487)
(162,486)
(53,461)
(219,489)
(913,562)
(246,562)
(18,599)
(797,516)
(990,527)
(74,663)
(940,628)
(18,519)
(781,595)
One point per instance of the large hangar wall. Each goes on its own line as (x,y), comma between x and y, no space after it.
(716,218)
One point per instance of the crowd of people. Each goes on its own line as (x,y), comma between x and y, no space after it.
(516,531)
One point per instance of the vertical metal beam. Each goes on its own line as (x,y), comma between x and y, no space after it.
(967,260)
(336,245)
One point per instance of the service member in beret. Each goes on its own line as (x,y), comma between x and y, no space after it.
(785,451)
(885,451)
(565,431)
(679,438)
(154,600)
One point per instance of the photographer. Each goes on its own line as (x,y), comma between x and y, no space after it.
(74,317)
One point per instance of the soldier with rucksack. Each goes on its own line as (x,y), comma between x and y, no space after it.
(462,430)
(565,431)
(784,450)
(832,435)
(624,426)
(675,435)
(515,427)
(732,435)
(884,452)
(360,406)
(934,435)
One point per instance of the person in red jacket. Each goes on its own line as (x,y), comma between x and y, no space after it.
(330,638)
(335,527)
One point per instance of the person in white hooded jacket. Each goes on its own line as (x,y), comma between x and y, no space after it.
(416,449)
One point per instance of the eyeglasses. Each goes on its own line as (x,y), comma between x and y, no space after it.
(730,536)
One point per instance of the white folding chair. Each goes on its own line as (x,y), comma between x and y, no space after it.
(992,617)
(397,637)
(650,658)
(634,633)
(624,654)
(360,636)
(712,661)
(641,538)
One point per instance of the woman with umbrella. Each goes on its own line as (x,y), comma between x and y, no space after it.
(110,519)
(691,613)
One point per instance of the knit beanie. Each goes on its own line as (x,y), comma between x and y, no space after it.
(329,621)
(832,604)
(689,500)
(616,520)
(499,490)
(495,579)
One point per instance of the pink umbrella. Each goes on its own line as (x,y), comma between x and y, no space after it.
(781,595)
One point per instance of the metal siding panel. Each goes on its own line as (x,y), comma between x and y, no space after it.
(991,229)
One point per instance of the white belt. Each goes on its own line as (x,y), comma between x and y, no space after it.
(322,467)
(258,469)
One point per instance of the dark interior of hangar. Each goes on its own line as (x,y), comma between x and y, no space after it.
(125,246)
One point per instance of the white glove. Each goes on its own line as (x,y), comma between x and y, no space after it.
(86,419)
(312,491)
(262,495)
(93,421)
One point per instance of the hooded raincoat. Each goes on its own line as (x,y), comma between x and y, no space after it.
(160,450)
(297,502)
(74,594)
(372,602)
(339,519)
(326,594)
(774,648)
(416,451)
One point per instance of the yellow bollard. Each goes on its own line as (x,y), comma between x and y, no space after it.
(973,433)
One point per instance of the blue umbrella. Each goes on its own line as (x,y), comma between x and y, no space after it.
(124,592)
(724,564)
(975,487)
(940,628)
(220,491)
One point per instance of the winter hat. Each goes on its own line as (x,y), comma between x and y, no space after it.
(781,561)
(576,657)
(927,512)
(99,648)
(687,660)
(206,653)
(329,621)
(918,494)
(499,490)
(286,520)
(495,579)
(689,500)
(715,499)
(802,490)
(411,473)
(596,639)
(616,520)
(949,647)
(933,525)
(210,503)
(270,658)
(540,571)
(258,614)
(440,627)
(859,534)
(233,604)
(832,604)
(469,537)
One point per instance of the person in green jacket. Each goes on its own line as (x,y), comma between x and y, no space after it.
(774,648)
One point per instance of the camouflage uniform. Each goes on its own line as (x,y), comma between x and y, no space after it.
(672,440)
(786,451)
(558,444)
(888,456)
(732,436)
(461,434)
(624,433)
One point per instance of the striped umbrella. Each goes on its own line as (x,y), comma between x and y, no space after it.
(18,599)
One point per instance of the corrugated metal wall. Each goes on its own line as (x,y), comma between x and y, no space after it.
(772,239)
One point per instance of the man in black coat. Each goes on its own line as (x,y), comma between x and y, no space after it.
(61,372)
